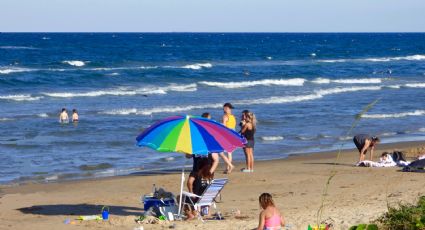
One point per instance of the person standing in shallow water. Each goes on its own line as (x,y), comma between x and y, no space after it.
(365,142)
(63,117)
(229,121)
(74,116)
(248,128)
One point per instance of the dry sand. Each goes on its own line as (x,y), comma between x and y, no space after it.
(356,195)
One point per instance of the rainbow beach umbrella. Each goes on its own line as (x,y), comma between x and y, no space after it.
(190,135)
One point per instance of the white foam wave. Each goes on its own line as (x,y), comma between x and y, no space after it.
(416,57)
(272,138)
(415,85)
(359,81)
(421,130)
(6,119)
(348,81)
(332,60)
(270,100)
(14,70)
(321,81)
(265,82)
(127,91)
(394,115)
(345,138)
(388,134)
(43,115)
(17,48)
(20,97)
(75,63)
(197,66)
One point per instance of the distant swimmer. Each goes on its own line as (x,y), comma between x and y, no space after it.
(63,117)
(74,116)
(364,143)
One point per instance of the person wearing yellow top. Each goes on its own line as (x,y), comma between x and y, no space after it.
(229,121)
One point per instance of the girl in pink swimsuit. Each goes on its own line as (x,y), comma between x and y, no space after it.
(270,217)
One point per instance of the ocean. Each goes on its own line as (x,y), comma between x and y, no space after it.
(305,89)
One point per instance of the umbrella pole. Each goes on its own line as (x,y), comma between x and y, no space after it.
(181,193)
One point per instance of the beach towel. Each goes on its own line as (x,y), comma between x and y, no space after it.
(383,162)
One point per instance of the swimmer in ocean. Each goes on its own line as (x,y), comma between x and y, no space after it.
(63,117)
(74,116)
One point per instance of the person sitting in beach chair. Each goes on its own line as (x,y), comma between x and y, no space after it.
(202,203)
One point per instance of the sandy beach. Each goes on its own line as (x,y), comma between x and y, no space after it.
(356,195)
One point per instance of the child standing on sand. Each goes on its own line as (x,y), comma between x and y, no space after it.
(270,217)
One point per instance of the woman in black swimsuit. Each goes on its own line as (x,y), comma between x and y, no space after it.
(248,128)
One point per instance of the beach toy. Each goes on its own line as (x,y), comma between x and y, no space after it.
(91,217)
(105,212)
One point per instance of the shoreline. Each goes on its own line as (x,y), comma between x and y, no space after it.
(326,154)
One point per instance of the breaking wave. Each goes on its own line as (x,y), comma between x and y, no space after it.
(15,70)
(348,81)
(272,138)
(265,82)
(394,115)
(75,63)
(415,85)
(126,91)
(416,57)
(270,100)
(20,97)
(18,48)
(197,66)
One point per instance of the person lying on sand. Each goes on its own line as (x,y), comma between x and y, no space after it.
(365,142)
(270,216)
(386,160)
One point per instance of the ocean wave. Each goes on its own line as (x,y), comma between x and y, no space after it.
(43,115)
(416,57)
(14,70)
(270,100)
(394,115)
(421,130)
(388,134)
(6,119)
(272,138)
(127,91)
(348,81)
(18,48)
(265,82)
(415,85)
(197,66)
(162,109)
(20,97)
(345,138)
(333,60)
(321,80)
(75,63)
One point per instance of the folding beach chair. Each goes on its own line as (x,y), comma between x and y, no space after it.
(208,197)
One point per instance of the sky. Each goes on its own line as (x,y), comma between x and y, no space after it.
(212,16)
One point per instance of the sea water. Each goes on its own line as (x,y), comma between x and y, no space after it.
(305,89)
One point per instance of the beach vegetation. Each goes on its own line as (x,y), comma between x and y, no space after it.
(404,216)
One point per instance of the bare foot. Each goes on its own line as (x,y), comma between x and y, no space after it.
(230,169)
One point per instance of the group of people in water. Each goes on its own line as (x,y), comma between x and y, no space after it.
(64,118)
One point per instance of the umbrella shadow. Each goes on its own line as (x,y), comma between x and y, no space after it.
(79,209)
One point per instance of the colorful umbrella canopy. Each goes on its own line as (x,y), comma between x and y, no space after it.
(190,135)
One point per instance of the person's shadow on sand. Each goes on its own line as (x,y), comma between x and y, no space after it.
(79,209)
